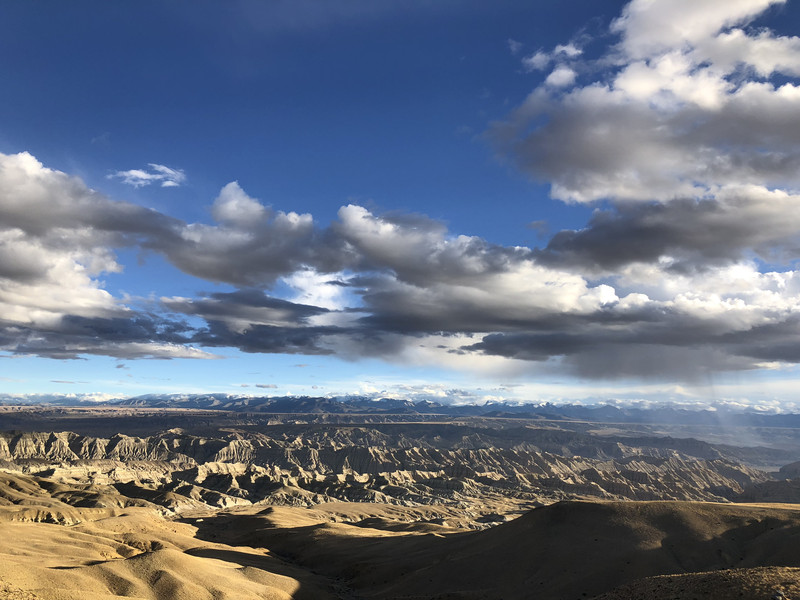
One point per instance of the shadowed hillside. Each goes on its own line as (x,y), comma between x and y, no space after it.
(111,546)
(233,505)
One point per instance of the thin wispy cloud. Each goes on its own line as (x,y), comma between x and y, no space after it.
(514,46)
(540,60)
(157,174)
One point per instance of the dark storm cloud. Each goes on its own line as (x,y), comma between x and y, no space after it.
(691,233)
(135,328)
(675,344)
(140,336)
(268,339)
(256,323)
(252,321)
(253,306)
(769,342)
(531,346)
(643,361)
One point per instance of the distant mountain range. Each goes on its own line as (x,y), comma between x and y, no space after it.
(596,413)
(601,413)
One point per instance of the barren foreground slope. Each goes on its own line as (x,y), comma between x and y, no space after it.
(162,503)
(99,543)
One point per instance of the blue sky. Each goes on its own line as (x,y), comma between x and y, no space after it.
(458,200)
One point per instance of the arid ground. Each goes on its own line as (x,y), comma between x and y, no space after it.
(159,502)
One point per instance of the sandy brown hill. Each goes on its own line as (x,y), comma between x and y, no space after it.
(85,542)
(26,498)
(760,583)
(566,550)
(360,551)
(139,555)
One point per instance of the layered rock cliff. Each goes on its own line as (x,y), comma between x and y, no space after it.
(180,471)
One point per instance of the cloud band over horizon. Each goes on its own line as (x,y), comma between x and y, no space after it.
(685,138)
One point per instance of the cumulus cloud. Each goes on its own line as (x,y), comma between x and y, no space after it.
(688,101)
(655,304)
(57,237)
(163,175)
(649,28)
(369,285)
(685,128)
(415,248)
(49,255)
(560,77)
(234,206)
(250,245)
(661,286)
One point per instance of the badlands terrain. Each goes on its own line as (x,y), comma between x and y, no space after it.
(226,498)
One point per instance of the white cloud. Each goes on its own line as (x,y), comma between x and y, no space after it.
(764,52)
(562,53)
(537,61)
(651,27)
(569,50)
(56,239)
(47,268)
(251,246)
(560,77)
(325,290)
(166,176)
(672,290)
(682,106)
(235,207)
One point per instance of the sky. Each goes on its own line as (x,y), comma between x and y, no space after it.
(573,201)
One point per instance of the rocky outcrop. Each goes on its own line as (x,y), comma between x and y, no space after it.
(180,471)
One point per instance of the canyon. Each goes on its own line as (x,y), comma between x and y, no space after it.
(387,502)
